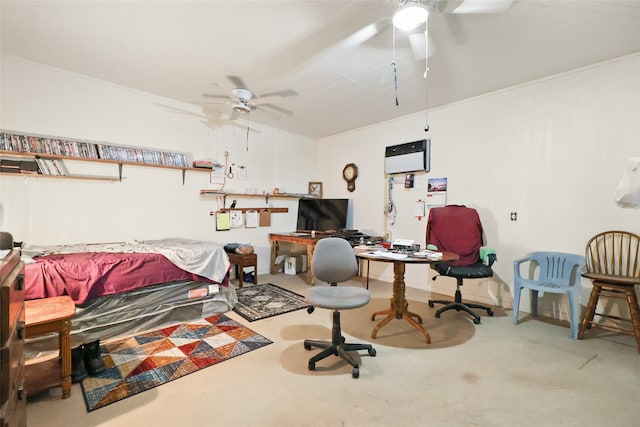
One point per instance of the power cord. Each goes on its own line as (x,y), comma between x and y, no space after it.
(390,209)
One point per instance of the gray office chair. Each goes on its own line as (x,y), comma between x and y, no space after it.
(334,261)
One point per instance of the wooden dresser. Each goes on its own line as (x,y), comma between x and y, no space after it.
(13,399)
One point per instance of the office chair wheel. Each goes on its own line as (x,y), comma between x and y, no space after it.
(355,373)
(312,366)
(310,309)
(431,304)
(307,346)
(372,352)
(476,321)
(437,315)
(490,312)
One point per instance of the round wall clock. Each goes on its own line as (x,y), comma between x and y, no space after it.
(350,173)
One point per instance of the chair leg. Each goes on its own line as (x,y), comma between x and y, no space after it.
(534,302)
(574,312)
(516,303)
(591,310)
(337,347)
(632,300)
(458,305)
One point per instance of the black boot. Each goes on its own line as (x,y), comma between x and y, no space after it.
(92,360)
(78,371)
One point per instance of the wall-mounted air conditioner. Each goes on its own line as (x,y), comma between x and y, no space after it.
(409,157)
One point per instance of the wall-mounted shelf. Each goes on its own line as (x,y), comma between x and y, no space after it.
(244,210)
(85,177)
(120,163)
(50,148)
(266,196)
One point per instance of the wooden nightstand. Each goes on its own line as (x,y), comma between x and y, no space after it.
(43,316)
(241,261)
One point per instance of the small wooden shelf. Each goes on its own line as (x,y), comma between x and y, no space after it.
(279,195)
(42,376)
(244,210)
(266,196)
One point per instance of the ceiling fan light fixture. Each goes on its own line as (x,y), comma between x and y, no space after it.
(243,94)
(410,15)
(241,108)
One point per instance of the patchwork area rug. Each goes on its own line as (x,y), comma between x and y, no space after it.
(267,300)
(140,363)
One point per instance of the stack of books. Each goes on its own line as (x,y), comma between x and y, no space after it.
(24,166)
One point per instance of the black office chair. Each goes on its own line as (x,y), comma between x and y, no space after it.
(334,261)
(457,229)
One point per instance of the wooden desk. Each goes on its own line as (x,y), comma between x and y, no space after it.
(43,316)
(299,238)
(399,306)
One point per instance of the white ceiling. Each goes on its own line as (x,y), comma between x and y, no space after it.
(182,49)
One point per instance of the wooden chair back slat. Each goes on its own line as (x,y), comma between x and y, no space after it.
(614,253)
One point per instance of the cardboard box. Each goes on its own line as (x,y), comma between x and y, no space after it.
(295,264)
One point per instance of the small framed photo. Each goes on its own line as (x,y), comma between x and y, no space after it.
(315,189)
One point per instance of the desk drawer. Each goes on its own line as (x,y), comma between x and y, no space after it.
(12,362)
(13,412)
(11,300)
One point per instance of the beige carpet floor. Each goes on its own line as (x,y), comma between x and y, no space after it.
(493,374)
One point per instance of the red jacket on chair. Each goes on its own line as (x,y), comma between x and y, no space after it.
(457,229)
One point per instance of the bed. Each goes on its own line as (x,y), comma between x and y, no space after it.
(128,287)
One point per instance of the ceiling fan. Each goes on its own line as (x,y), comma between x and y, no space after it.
(243,101)
(410,17)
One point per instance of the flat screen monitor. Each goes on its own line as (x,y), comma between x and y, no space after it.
(322,214)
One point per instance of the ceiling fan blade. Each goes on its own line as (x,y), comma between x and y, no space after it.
(365,34)
(267,99)
(221,102)
(420,46)
(266,112)
(325,35)
(181,111)
(280,94)
(455,28)
(209,117)
(483,6)
(216,96)
(237,82)
(277,108)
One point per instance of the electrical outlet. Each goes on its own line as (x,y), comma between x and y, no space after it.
(514,216)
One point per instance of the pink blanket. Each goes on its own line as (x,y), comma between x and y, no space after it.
(88,275)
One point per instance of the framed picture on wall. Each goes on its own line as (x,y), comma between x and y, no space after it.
(315,189)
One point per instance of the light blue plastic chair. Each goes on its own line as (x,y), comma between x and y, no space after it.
(553,272)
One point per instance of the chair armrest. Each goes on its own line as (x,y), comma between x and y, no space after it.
(516,267)
(488,255)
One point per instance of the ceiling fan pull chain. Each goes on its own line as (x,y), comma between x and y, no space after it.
(426,52)
(393,63)
(247,148)
(426,82)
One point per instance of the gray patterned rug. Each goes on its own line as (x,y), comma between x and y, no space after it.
(267,300)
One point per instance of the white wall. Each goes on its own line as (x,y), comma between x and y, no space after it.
(149,203)
(552,150)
